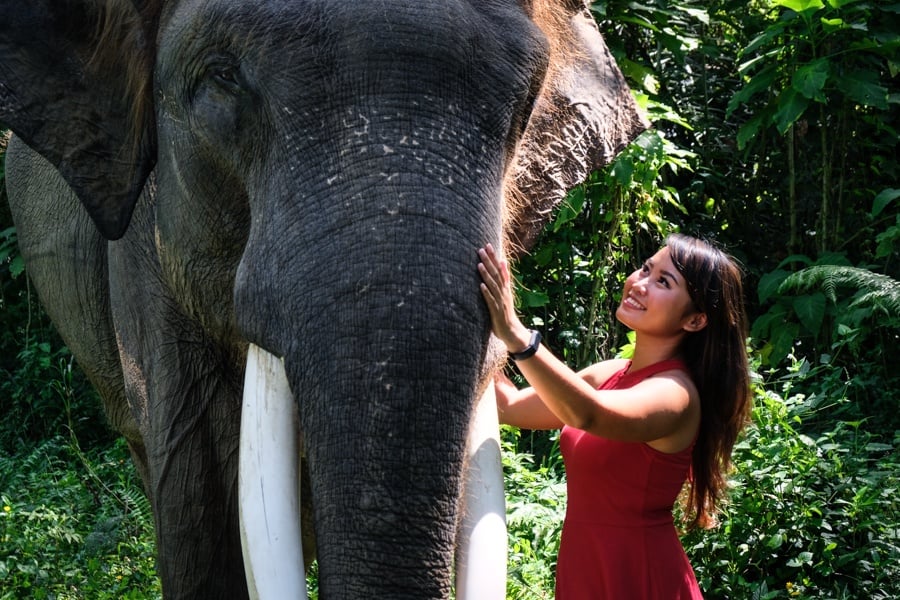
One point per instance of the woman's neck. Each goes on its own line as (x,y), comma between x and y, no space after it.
(649,351)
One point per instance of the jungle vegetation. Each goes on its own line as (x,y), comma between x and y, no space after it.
(775,135)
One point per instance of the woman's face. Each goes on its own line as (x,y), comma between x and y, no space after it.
(656,301)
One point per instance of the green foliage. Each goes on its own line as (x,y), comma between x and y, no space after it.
(813,512)
(845,319)
(823,76)
(811,50)
(535,507)
(45,392)
(74,526)
(879,293)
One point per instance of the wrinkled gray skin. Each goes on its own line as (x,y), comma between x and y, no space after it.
(313,177)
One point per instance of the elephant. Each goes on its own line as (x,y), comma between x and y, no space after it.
(193,181)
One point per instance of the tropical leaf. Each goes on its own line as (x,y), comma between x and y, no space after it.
(875,290)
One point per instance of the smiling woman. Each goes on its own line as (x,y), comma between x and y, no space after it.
(634,432)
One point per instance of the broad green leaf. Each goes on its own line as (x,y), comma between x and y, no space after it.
(765,325)
(570,208)
(771,33)
(748,131)
(623,170)
(768,284)
(16,266)
(775,541)
(810,310)
(791,107)
(884,197)
(759,82)
(640,74)
(800,5)
(533,299)
(810,79)
(804,558)
(864,89)
(878,447)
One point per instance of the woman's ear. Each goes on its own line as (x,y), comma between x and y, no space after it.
(695,322)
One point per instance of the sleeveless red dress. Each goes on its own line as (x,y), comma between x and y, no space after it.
(619,540)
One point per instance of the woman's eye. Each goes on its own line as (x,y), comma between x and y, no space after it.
(664,281)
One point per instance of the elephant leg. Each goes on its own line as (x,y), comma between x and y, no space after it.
(188,387)
(66,258)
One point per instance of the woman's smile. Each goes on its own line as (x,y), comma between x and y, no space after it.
(632,302)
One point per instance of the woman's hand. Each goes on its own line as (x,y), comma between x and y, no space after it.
(497,292)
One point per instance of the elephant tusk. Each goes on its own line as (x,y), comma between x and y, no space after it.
(268,482)
(481,546)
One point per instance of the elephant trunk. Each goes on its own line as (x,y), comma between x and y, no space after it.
(384,346)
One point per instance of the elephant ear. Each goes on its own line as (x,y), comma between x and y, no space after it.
(584,116)
(74,86)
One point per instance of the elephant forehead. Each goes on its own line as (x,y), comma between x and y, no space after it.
(327,35)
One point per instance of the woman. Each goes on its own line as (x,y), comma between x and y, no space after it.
(634,431)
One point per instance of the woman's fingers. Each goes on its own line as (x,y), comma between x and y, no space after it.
(491,276)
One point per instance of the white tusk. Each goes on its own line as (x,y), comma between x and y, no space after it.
(481,548)
(268,482)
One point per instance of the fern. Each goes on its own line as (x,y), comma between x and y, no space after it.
(135,501)
(877,291)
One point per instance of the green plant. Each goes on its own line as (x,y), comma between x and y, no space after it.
(63,535)
(820,74)
(535,502)
(813,512)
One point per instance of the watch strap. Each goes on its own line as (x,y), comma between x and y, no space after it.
(531,349)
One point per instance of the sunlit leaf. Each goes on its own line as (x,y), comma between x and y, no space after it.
(800,5)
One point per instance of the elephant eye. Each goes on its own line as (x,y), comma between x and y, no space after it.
(226,76)
(223,71)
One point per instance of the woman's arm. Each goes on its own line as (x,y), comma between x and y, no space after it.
(522,408)
(656,408)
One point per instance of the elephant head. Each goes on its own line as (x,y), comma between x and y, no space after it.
(313,178)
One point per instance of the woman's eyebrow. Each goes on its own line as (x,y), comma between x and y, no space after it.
(671,276)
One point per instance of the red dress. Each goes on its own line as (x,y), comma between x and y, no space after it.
(619,540)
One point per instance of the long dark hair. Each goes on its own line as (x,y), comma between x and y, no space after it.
(717,358)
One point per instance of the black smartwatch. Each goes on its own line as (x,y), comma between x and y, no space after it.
(532,348)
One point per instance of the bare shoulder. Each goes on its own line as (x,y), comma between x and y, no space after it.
(680,377)
(598,373)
